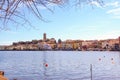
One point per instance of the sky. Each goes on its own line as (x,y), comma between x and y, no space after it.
(69,22)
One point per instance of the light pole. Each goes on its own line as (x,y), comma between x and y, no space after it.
(91,77)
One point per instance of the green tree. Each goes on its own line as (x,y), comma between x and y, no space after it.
(59,41)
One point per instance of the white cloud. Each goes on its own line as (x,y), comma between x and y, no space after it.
(113,4)
(115,11)
(96,4)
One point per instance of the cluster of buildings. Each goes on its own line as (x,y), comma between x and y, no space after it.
(52,44)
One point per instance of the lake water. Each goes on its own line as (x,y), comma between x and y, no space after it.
(60,65)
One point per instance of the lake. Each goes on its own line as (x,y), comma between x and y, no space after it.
(60,65)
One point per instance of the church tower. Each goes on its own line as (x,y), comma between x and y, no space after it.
(44,37)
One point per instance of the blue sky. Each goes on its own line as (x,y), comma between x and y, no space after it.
(83,23)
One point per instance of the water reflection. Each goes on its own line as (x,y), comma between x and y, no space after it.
(61,65)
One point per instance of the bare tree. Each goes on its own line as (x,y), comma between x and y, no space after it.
(10,10)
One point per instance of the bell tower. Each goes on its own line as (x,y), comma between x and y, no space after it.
(44,37)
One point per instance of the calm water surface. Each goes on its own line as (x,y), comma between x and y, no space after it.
(62,65)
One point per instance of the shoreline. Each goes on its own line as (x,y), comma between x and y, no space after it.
(60,50)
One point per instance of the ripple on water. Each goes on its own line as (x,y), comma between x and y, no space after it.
(63,65)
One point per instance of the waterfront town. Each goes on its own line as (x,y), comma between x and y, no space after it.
(52,44)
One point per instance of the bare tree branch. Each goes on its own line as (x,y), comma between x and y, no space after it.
(10,9)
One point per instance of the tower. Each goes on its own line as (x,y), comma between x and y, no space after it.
(119,42)
(44,37)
